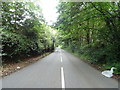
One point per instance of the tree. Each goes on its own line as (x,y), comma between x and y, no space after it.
(23,31)
(92,29)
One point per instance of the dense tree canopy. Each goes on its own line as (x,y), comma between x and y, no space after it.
(23,31)
(91,29)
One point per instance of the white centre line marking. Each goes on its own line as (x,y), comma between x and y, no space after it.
(61,59)
(62,78)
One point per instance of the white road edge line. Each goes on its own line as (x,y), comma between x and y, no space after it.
(62,78)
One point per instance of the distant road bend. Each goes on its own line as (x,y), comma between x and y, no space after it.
(58,70)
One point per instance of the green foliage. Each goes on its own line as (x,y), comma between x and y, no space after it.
(23,33)
(91,29)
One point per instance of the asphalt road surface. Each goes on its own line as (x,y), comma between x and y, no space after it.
(58,70)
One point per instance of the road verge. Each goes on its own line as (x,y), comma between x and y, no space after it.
(8,69)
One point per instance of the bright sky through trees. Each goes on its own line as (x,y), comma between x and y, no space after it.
(49,10)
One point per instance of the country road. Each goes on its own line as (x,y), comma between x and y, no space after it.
(58,70)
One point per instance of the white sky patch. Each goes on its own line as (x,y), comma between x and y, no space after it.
(49,10)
